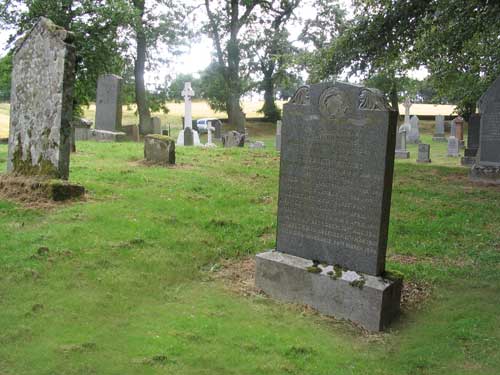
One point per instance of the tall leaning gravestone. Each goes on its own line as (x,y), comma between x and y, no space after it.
(42,103)
(337,161)
(487,167)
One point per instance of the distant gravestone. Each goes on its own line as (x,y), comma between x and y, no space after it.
(459,131)
(407,105)
(453,129)
(257,144)
(401,151)
(156,125)
(217,129)
(439,134)
(278,135)
(188,137)
(233,139)
(337,160)
(487,167)
(41,102)
(472,140)
(108,114)
(159,149)
(453,147)
(413,136)
(424,153)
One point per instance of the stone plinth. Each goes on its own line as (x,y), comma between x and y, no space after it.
(159,149)
(370,301)
(106,136)
(132,132)
(15,186)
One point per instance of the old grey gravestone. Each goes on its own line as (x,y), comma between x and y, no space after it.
(233,139)
(453,147)
(487,166)
(424,153)
(279,124)
(414,134)
(41,108)
(470,152)
(159,149)
(439,135)
(108,113)
(401,151)
(337,161)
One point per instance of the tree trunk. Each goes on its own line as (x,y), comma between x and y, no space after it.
(270,110)
(393,95)
(140,64)
(235,115)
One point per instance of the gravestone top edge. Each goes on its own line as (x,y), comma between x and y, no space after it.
(44,23)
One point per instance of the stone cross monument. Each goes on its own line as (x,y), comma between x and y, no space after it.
(187,93)
(407,104)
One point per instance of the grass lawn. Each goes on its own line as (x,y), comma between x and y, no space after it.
(128,283)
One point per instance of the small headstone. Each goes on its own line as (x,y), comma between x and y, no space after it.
(210,143)
(278,135)
(453,149)
(414,135)
(424,153)
(233,139)
(42,102)
(156,125)
(257,144)
(459,131)
(217,129)
(82,128)
(401,151)
(487,167)
(159,149)
(132,132)
(453,132)
(470,152)
(188,137)
(337,160)
(108,113)
(439,134)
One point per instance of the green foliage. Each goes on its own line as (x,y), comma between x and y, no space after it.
(213,87)
(457,40)
(176,86)
(5,74)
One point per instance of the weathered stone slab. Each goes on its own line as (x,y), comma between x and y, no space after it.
(401,151)
(439,134)
(453,147)
(42,102)
(279,124)
(81,129)
(233,139)
(424,153)
(218,129)
(159,149)
(156,125)
(257,144)
(108,115)
(106,136)
(337,160)
(188,137)
(487,168)
(413,136)
(132,132)
(370,301)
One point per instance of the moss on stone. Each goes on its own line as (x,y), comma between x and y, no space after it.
(358,283)
(393,275)
(337,272)
(26,167)
(314,269)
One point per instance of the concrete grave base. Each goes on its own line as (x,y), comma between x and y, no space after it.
(400,154)
(373,302)
(468,160)
(485,174)
(437,138)
(16,186)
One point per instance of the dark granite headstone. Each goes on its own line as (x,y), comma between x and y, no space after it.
(218,129)
(472,140)
(337,158)
(487,168)
(188,137)
(424,153)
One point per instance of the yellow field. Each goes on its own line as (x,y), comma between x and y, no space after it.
(202,109)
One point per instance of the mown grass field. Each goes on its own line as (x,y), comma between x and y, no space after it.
(128,283)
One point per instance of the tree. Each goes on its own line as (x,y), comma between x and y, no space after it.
(96,25)
(457,40)
(177,85)
(5,75)
(226,19)
(273,50)
(160,23)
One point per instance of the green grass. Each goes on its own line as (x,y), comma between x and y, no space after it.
(126,288)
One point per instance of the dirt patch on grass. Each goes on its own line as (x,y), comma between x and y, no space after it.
(32,192)
(448,262)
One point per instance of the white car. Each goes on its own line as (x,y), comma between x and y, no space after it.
(202,124)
